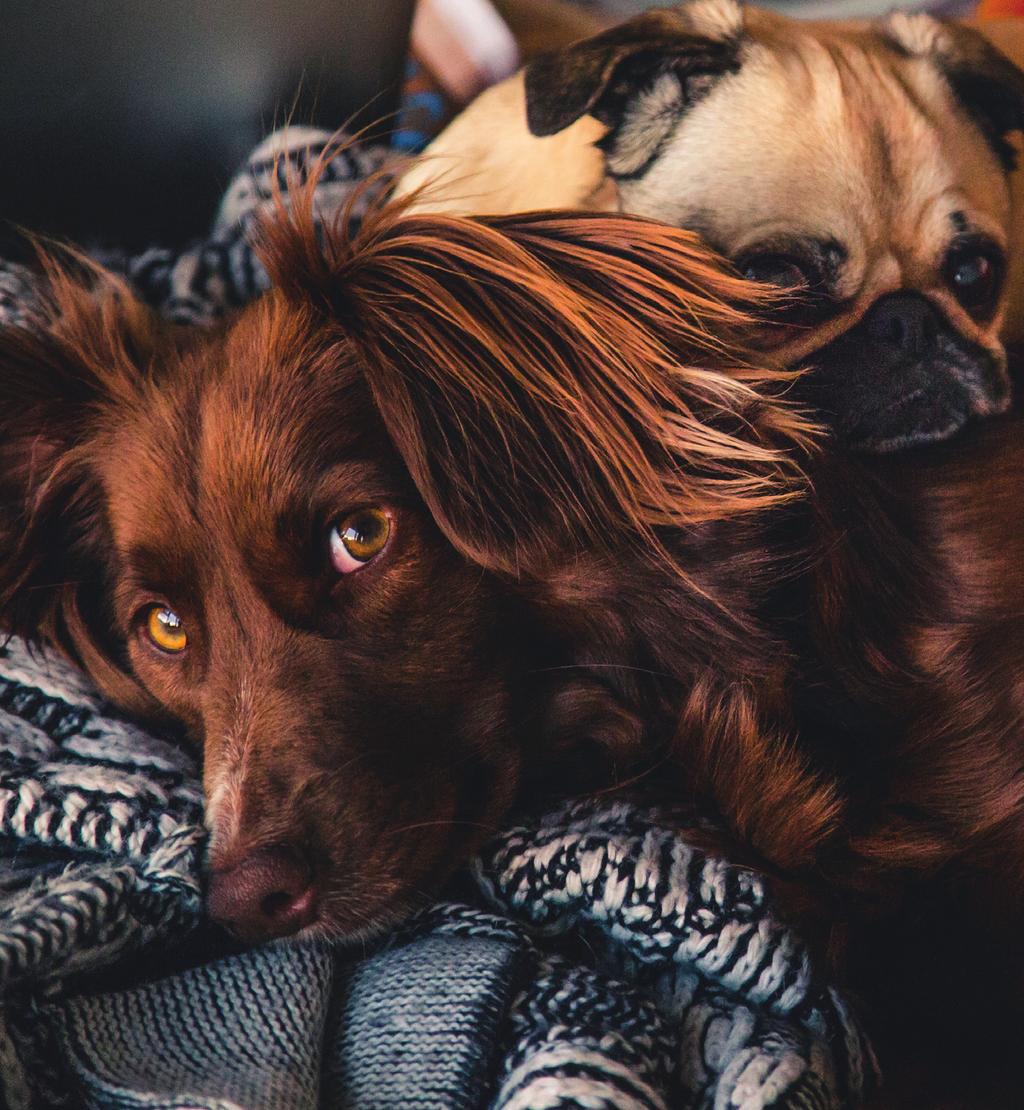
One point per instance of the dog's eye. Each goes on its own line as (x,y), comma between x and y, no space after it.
(975,276)
(358,538)
(776,269)
(166,629)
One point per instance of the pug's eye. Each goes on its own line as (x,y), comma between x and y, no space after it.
(166,630)
(358,538)
(777,269)
(975,277)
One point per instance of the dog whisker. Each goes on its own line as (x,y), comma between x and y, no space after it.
(490,828)
(588,667)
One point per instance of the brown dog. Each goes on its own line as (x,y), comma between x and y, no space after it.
(446,504)
(862,167)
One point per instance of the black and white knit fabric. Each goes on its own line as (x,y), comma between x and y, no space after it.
(598,962)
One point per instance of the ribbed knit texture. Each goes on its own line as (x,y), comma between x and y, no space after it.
(608,964)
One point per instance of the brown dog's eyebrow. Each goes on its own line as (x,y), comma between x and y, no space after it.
(170,574)
(350,485)
(291,542)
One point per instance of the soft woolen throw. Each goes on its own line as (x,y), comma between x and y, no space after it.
(597,960)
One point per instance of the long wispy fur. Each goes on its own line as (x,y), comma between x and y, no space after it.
(558,348)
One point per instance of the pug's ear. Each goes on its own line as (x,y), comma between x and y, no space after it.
(984,80)
(691,46)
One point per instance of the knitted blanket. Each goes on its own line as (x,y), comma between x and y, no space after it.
(596,961)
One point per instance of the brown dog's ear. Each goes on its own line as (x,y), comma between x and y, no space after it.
(692,45)
(55,380)
(554,380)
(983,79)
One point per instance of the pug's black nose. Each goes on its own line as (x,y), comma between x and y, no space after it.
(904,324)
(268,894)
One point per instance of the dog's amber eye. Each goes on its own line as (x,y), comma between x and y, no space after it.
(358,538)
(165,628)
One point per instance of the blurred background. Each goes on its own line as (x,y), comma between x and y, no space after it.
(123,120)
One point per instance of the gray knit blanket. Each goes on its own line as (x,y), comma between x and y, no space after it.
(596,960)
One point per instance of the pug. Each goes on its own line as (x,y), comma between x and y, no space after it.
(863,168)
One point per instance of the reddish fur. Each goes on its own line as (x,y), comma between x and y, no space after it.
(918,602)
(910,696)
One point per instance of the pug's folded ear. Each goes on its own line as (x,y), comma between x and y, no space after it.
(689,47)
(984,80)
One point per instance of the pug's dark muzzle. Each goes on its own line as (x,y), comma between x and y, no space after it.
(903,377)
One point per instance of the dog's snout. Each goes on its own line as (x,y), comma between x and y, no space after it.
(905,324)
(268,894)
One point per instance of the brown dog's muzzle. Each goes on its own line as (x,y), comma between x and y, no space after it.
(343,829)
(269,894)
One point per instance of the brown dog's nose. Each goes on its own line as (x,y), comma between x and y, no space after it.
(269,894)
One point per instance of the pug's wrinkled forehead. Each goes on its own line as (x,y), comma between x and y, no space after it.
(859,154)
(862,166)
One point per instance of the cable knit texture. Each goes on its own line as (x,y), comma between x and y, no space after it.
(605,963)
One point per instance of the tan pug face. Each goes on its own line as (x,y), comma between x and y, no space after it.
(862,167)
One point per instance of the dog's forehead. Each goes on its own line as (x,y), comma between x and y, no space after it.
(837,136)
(243,423)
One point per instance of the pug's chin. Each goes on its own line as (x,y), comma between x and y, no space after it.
(920,418)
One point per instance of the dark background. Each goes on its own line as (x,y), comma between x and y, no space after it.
(123,120)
